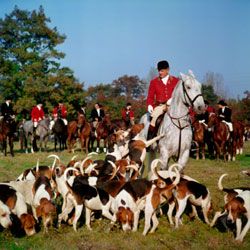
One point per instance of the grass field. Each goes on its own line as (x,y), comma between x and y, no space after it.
(191,235)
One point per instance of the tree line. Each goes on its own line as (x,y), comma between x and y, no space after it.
(31,72)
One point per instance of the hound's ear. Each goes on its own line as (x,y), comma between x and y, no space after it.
(190,72)
(242,209)
(38,211)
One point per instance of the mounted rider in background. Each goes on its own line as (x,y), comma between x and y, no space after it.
(60,111)
(7,110)
(37,114)
(225,115)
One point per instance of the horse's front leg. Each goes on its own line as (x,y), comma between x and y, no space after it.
(98,144)
(217,150)
(40,144)
(203,150)
(223,150)
(46,142)
(82,143)
(87,145)
(164,156)
(183,159)
(104,145)
(197,151)
(11,144)
(5,146)
(55,142)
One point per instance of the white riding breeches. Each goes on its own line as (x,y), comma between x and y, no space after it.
(158,110)
(230,125)
(52,123)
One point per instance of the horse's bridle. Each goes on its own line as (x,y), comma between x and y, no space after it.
(191,101)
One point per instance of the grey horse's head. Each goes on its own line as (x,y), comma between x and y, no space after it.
(192,95)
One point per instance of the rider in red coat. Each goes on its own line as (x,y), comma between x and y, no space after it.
(37,114)
(128,114)
(59,111)
(159,94)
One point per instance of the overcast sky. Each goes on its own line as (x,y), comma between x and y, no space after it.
(111,38)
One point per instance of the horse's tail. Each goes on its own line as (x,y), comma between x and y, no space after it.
(220,182)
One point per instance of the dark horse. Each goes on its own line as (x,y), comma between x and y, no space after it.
(79,128)
(102,131)
(221,137)
(60,133)
(7,130)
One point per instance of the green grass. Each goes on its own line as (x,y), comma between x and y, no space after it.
(191,235)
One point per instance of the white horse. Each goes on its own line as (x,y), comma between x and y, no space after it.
(176,124)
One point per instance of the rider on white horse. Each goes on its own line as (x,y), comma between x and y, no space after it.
(37,114)
(159,95)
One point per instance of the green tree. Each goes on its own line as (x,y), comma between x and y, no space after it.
(208,94)
(132,87)
(30,63)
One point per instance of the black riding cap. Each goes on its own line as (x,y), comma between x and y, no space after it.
(222,103)
(162,65)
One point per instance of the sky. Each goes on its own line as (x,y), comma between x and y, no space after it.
(107,39)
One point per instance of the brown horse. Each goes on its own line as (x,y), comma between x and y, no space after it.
(101,132)
(221,136)
(238,137)
(199,138)
(119,124)
(7,130)
(79,128)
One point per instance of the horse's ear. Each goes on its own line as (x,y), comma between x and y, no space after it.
(183,76)
(190,72)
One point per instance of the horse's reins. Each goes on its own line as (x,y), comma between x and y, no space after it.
(189,99)
(186,115)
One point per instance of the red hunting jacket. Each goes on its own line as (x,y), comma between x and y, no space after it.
(130,114)
(63,112)
(37,114)
(158,92)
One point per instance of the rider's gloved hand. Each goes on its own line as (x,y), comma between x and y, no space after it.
(150,109)
(169,101)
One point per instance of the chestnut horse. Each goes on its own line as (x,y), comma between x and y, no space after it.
(78,129)
(102,131)
(238,137)
(221,136)
(199,138)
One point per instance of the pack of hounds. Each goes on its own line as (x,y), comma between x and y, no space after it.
(115,187)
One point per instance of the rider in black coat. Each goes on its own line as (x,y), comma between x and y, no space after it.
(7,109)
(97,113)
(224,111)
